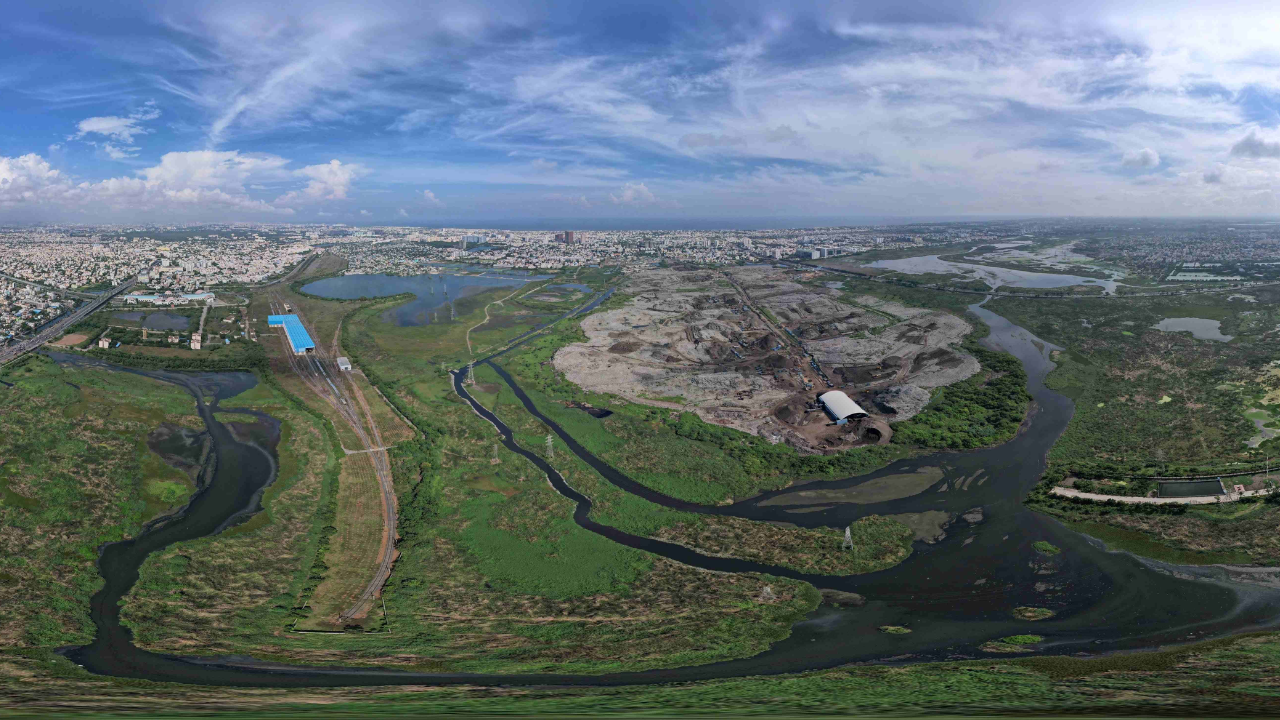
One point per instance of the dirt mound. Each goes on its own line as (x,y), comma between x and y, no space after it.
(902,401)
(627,346)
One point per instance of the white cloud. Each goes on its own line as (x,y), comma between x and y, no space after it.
(995,109)
(327,181)
(116,128)
(182,184)
(120,129)
(634,193)
(412,120)
(30,179)
(116,153)
(431,200)
(366,213)
(403,213)
(572,200)
(1145,158)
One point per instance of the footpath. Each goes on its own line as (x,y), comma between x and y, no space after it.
(1194,500)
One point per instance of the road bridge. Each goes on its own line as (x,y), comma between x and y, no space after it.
(57,327)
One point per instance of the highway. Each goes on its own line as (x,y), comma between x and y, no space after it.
(13,352)
(319,371)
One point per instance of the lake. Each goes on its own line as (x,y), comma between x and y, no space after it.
(156,320)
(1200,328)
(433,292)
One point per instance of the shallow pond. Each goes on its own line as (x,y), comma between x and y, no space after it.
(433,292)
(1200,328)
(156,320)
(1190,488)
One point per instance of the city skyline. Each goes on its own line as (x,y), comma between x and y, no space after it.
(770,114)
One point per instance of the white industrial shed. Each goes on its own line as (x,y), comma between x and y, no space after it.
(344,364)
(840,407)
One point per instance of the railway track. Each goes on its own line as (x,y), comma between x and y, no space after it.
(319,372)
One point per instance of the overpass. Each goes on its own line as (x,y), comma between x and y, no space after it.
(57,327)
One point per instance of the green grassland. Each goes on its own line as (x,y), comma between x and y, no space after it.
(493,574)
(879,543)
(223,593)
(1223,678)
(75,472)
(1118,371)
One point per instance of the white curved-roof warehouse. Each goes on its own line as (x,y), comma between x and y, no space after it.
(840,406)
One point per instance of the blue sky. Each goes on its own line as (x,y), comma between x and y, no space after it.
(451,112)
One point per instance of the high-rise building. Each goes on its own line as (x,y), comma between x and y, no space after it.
(568,236)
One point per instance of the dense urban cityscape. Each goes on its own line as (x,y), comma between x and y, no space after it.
(45,271)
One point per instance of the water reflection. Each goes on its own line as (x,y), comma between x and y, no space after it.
(433,292)
(1200,328)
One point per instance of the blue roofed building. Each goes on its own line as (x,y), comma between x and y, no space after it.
(299,339)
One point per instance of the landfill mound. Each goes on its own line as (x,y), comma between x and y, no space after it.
(752,348)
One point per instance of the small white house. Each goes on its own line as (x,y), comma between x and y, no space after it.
(344,364)
(104,342)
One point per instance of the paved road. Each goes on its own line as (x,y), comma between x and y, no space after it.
(1196,500)
(13,352)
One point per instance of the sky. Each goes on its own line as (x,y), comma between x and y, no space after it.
(433,113)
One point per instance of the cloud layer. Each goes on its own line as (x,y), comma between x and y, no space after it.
(707,110)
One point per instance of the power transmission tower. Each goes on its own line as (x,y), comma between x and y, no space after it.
(471,373)
(848,539)
(551,448)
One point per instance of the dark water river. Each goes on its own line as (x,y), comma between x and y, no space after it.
(954,595)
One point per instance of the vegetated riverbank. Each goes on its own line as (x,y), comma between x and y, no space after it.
(543,588)
(945,612)
(1154,403)
(74,456)
(877,543)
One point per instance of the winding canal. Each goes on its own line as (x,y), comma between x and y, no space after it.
(954,595)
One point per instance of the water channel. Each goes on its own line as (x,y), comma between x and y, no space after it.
(954,595)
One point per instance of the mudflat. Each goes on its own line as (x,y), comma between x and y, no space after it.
(881,489)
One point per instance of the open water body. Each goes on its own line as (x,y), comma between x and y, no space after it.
(993,276)
(1200,328)
(954,595)
(433,292)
